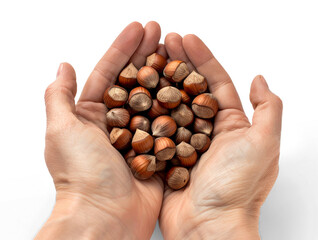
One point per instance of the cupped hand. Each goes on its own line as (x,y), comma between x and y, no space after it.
(91,177)
(232,179)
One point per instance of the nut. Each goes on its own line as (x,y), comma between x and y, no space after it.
(156,61)
(120,138)
(205,105)
(186,154)
(139,99)
(202,126)
(161,165)
(176,71)
(143,166)
(184,97)
(115,96)
(148,77)
(129,156)
(175,161)
(142,142)
(200,141)
(117,117)
(157,110)
(139,122)
(128,77)
(169,97)
(177,177)
(195,84)
(183,115)
(163,126)
(164,148)
(183,135)
(163,83)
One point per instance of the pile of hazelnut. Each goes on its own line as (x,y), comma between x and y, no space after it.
(160,118)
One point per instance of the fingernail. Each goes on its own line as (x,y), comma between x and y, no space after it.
(262,81)
(59,70)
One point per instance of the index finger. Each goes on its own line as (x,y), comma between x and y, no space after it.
(110,65)
(219,81)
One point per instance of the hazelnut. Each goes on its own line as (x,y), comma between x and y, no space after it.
(120,138)
(176,71)
(164,148)
(175,161)
(163,126)
(142,142)
(128,76)
(115,96)
(161,165)
(205,105)
(117,117)
(157,110)
(156,61)
(200,142)
(143,166)
(163,83)
(183,135)
(148,77)
(129,156)
(195,84)
(177,177)
(186,154)
(169,97)
(139,122)
(139,99)
(184,97)
(202,126)
(183,115)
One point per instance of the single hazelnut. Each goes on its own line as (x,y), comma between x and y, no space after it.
(163,83)
(177,177)
(115,96)
(184,97)
(203,126)
(148,77)
(139,99)
(128,76)
(139,122)
(164,148)
(143,166)
(129,156)
(120,138)
(183,115)
(157,110)
(195,84)
(156,61)
(186,154)
(205,105)
(142,142)
(169,97)
(176,71)
(161,165)
(175,161)
(183,135)
(200,142)
(117,117)
(163,126)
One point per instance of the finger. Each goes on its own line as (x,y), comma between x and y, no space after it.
(59,96)
(174,47)
(116,57)
(267,118)
(161,49)
(220,83)
(148,45)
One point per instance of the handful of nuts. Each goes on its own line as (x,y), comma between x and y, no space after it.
(159,118)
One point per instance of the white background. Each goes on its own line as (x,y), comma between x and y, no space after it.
(275,38)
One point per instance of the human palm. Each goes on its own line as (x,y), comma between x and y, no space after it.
(237,172)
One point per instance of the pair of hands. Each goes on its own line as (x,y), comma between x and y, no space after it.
(97,196)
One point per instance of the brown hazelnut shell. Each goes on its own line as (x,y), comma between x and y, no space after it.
(164,148)
(205,105)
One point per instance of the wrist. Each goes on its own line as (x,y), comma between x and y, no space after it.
(219,225)
(75,218)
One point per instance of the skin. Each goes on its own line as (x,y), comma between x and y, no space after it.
(97,196)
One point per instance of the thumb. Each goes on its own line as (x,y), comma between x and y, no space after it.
(59,95)
(267,118)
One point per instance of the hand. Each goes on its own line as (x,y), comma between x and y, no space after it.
(232,179)
(97,196)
